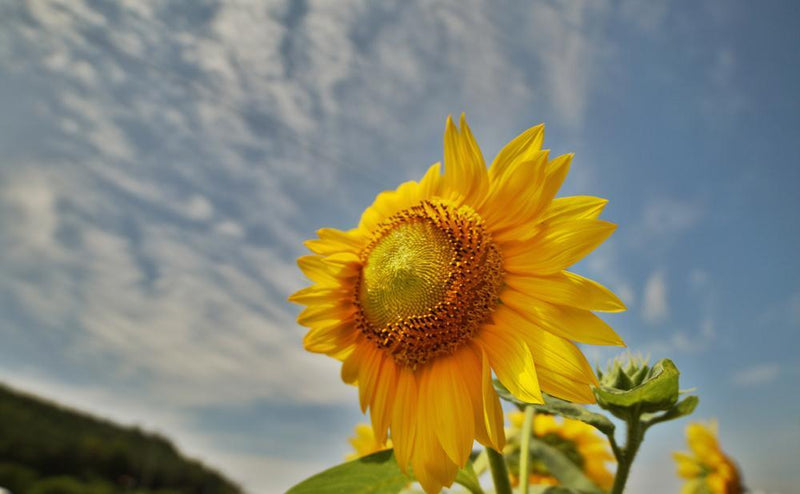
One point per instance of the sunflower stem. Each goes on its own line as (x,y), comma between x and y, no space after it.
(633,439)
(502,483)
(525,449)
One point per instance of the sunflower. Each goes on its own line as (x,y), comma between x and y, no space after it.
(579,442)
(364,442)
(449,279)
(707,469)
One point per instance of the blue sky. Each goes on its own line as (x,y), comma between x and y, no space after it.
(162,162)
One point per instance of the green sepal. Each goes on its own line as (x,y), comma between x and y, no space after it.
(657,392)
(684,407)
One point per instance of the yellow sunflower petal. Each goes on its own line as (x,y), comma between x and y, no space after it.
(322,273)
(574,208)
(544,188)
(567,289)
(521,148)
(352,364)
(561,386)
(332,241)
(446,388)
(556,247)
(561,367)
(333,337)
(515,196)
(430,184)
(338,311)
(493,413)
(383,399)
(464,170)
(369,375)
(317,295)
(511,360)
(568,322)
(433,468)
(404,417)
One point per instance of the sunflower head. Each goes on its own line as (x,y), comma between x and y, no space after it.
(431,276)
(706,468)
(450,280)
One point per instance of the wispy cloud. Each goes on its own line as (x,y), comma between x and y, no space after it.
(756,375)
(655,306)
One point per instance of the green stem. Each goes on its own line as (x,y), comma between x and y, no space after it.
(502,484)
(634,437)
(525,449)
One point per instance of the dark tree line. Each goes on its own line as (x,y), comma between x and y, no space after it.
(49,449)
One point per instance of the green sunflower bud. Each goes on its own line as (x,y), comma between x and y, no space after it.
(632,388)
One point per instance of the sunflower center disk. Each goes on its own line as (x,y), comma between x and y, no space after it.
(430,279)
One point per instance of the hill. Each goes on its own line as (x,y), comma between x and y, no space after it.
(46,448)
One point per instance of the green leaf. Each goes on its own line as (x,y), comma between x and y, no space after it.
(556,406)
(377,473)
(568,474)
(467,478)
(658,392)
(681,409)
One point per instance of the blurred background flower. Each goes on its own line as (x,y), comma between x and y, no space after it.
(364,442)
(581,443)
(161,164)
(706,468)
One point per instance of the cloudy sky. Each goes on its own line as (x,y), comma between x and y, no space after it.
(161,163)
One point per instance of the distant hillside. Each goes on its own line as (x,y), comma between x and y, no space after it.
(49,449)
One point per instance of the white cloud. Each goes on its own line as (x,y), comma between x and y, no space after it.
(29,211)
(668,216)
(569,54)
(757,375)
(199,208)
(655,307)
(230,228)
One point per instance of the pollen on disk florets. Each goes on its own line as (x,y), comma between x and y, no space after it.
(430,278)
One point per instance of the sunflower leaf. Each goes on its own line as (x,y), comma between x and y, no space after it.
(555,406)
(377,473)
(568,474)
(468,479)
(681,409)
